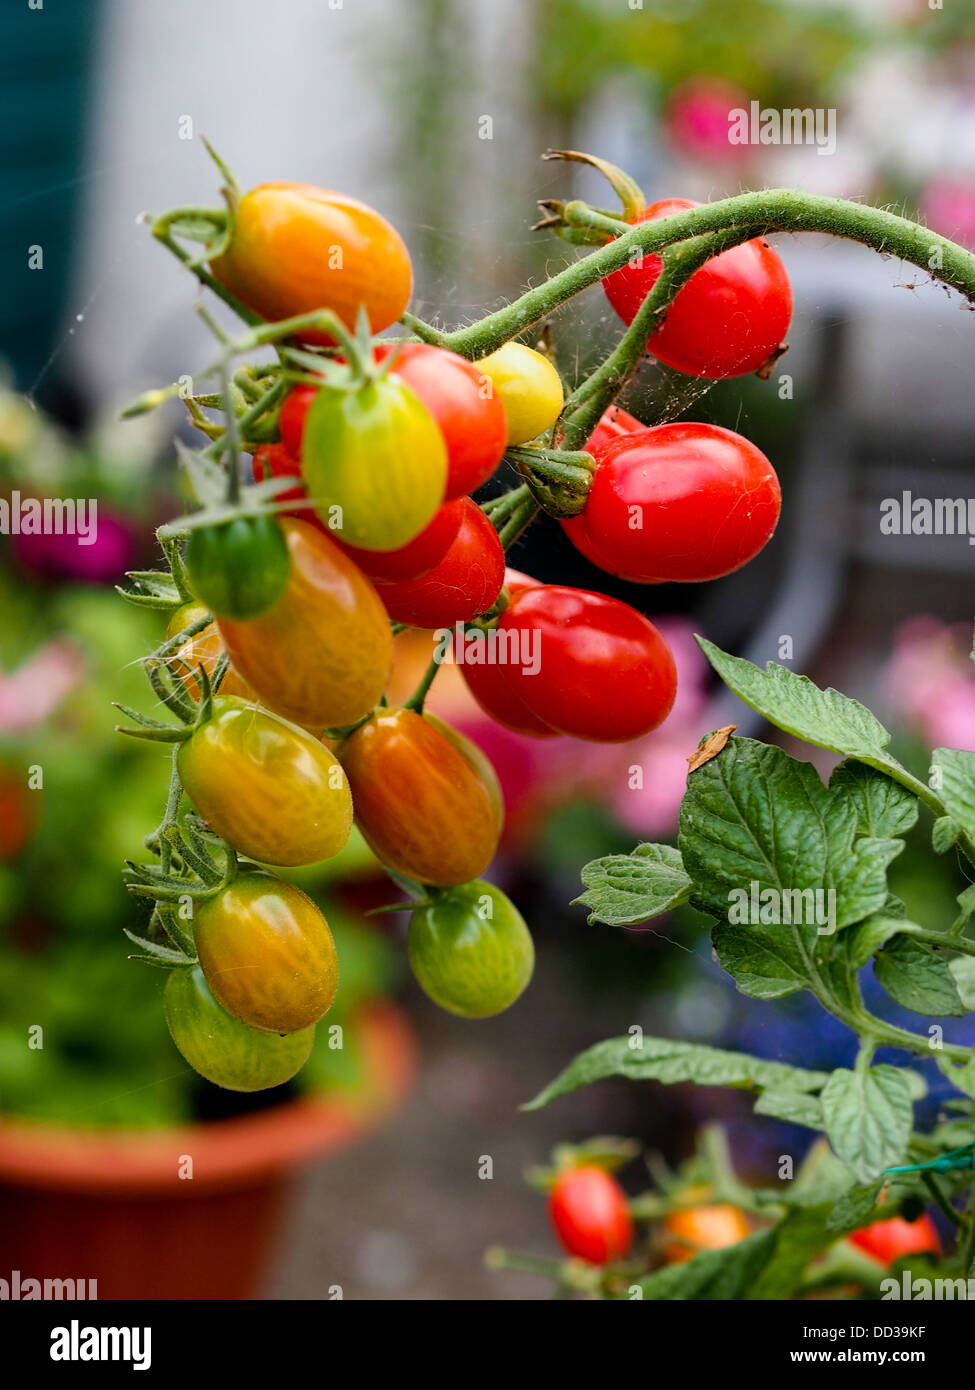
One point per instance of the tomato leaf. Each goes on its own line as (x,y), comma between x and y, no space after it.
(795,704)
(714,1274)
(866,938)
(918,978)
(798,1107)
(868,1118)
(954,770)
(765,962)
(767,844)
(884,808)
(855,1207)
(623,889)
(659,1059)
(944,834)
(963,973)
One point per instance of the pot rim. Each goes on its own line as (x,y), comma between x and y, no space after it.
(235,1153)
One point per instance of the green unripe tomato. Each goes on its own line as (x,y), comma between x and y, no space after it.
(240,568)
(221,1049)
(471,951)
(375,462)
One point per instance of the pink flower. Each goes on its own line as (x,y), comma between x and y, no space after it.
(948,207)
(930,682)
(696,118)
(34,691)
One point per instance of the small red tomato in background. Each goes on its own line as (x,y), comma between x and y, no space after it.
(726,321)
(682,502)
(459,397)
(889,1240)
(291,420)
(588,1209)
(275,461)
(465,583)
(590,666)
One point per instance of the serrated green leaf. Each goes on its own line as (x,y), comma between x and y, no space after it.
(855,1207)
(714,1274)
(757,827)
(944,834)
(764,962)
(660,1059)
(868,1118)
(798,1107)
(794,703)
(799,1237)
(863,940)
(955,771)
(623,889)
(917,978)
(884,808)
(962,1076)
(963,973)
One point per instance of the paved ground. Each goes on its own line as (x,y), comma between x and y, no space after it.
(405,1215)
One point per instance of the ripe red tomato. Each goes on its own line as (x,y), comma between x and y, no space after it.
(420,555)
(296,248)
(602,670)
(689,1230)
(890,1240)
(614,424)
(291,420)
(465,583)
(684,502)
(426,799)
(488,680)
(726,321)
(470,414)
(275,461)
(588,1209)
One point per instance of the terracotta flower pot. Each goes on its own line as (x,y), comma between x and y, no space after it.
(78,1204)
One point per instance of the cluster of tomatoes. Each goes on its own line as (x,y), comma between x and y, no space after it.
(591,1216)
(379,446)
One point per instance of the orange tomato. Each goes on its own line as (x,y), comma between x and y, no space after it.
(426,799)
(270,789)
(204,649)
(321,655)
(689,1230)
(267,953)
(296,248)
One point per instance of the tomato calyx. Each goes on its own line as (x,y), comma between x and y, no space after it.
(558,479)
(626,188)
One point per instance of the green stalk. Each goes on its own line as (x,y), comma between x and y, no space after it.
(757,214)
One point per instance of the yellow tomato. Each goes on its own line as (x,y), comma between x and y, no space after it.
(529,387)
